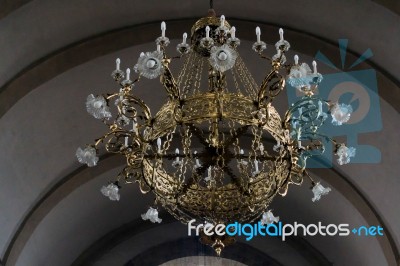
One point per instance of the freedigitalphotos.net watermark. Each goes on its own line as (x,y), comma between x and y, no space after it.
(281,230)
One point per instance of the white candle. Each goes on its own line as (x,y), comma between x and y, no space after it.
(233,31)
(258,33)
(184,38)
(314,64)
(281,33)
(117,62)
(159,145)
(222,21)
(128,73)
(319,108)
(261,148)
(163,28)
(256,165)
(207,32)
(177,152)
(296,59)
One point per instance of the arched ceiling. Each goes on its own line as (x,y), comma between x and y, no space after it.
(56,53)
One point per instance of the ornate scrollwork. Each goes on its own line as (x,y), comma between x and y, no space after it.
(206,154)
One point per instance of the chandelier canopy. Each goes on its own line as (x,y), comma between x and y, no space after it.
(217,151)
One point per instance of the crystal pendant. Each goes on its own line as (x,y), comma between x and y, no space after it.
(123,120)
(299,75)
(111,191)
(260,46)
(234,42)
(97,107)
(269,218)
(117,74)
(319,191)
(345,153)
(162,41)
(282,45)
(183,48)
(152,215)
(341,113)
(149,64)
(222,58)
(87,156)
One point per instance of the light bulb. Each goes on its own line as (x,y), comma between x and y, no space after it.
(150,63)
(222,56)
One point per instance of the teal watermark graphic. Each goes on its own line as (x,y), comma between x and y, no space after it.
(357,88)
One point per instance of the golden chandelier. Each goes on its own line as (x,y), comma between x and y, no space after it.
(217,151)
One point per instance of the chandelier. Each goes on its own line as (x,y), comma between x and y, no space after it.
(217,151)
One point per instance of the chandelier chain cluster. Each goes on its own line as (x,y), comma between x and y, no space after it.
(217,151)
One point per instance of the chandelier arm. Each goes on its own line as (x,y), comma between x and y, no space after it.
(265,57)
(268,85)
(300,102)
(319,135)
(110,96)
(102,138)
(168,81)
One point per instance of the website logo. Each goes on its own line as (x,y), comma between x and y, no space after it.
(281,230)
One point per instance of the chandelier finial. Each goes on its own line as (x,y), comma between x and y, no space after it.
(211,11)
